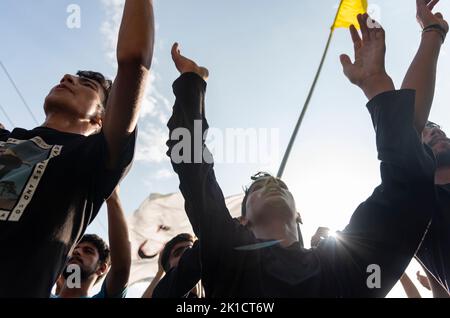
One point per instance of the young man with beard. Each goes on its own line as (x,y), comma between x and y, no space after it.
(93,259)
(264,258)
(73,161)
(434,252)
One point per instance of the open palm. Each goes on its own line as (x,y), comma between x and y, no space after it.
(370,52)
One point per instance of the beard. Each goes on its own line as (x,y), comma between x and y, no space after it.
(443,159)
(84,273)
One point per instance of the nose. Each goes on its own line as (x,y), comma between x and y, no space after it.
(272,180)
(68,78)
(76,252)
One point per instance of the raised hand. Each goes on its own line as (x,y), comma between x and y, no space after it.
(368,71)
(185,65)
(423,280)
(321,233)
(426,17)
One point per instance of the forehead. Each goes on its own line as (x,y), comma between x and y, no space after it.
(99,87)
(86,245)
(180,244)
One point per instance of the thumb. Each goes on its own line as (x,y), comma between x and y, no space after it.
(346,62)
(439,15)
(175,49)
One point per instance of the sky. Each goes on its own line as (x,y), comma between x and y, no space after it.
(262,56)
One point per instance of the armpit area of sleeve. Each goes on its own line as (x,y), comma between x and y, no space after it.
(111,177)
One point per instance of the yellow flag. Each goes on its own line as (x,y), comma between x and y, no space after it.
(348,10)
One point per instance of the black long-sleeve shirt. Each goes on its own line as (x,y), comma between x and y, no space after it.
(385,230)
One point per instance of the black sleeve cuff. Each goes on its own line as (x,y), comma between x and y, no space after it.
(190,88)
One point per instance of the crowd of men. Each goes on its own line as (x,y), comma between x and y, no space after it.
(56,177)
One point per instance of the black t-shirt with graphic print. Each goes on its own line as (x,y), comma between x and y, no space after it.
(52,185)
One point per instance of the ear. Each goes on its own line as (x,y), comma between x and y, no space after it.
(102,269)
(243,220)
(299,218)
(97,119)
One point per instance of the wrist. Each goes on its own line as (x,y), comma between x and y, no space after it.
(377,84)
(435,31)
(432,36)
(200,71)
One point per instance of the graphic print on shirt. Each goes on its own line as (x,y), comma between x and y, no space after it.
(22,165)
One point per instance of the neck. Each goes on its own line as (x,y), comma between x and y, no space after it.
(442,175)
(69,124)
(279,230)
(73,292)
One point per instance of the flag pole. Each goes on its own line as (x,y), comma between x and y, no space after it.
(308,99)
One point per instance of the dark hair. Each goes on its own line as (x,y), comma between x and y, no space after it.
(165,254)
(430,125)
(105,83)
(101,246)
(256,177)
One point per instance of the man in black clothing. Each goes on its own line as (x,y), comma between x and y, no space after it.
(264,257)
(421,76)
(73,161)
(180,260)
(434,252)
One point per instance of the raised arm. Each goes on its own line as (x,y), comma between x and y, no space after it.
(119,243)
(385,231)
(421,75)
(181,279)
(409,287)
(192,161)
(134,57)
(148,293)
(431,283)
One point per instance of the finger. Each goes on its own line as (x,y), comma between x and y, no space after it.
(439,15)
(205,72)
(355,37)
(421,3)
(347,66)
(175,49)
(346,62)
(362,20)
(432,4)
(380,33)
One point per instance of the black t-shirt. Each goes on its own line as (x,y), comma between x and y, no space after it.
(434,253)
(52,185)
